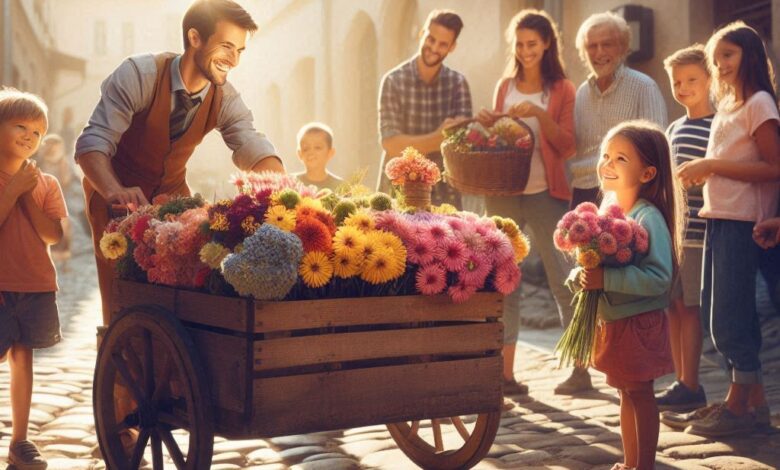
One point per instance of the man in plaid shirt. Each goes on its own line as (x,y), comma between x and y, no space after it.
(422,96)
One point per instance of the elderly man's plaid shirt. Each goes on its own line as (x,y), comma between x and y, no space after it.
(407,105)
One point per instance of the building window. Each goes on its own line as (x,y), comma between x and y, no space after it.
(128,38)
(100,37)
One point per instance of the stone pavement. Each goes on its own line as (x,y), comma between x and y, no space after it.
(542,431)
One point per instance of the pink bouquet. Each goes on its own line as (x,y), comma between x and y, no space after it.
(594,238)
(412,167)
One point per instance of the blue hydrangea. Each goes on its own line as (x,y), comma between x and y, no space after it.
(267,268)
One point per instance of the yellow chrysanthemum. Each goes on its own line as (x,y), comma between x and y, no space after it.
(113,245)
(361,220)
(371,243)
(249,225)
(588,259)
(444,209)
(509,227)
(348,241)
(380,267)
(396,246)
(315,269)
(281,217)
(345,265)
(226,203)
(213,253)
(310,202)
(520,245)
(219,222)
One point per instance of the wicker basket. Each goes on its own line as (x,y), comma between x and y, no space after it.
(488,173)
(417,194)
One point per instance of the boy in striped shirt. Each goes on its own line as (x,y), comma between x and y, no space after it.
(690,80)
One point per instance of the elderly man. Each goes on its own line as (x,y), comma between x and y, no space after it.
(612,93)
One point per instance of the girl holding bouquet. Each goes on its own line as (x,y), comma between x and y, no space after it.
(535,89)
(741,169)
(632,343)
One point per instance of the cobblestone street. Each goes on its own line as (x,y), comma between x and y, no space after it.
(542,431)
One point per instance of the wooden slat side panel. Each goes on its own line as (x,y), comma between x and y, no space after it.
(224,358)
(129,293)
(231,313)
(328,348)
(335,400)
(285,316)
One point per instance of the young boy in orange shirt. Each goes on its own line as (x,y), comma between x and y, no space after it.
(32,208)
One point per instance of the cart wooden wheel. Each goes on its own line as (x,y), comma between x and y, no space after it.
(149,383)
(447,443)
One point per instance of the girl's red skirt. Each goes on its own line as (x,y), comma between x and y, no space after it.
(633,349)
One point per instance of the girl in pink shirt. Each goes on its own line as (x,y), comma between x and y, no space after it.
(740,170)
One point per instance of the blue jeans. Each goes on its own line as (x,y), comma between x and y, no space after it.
(539,213)
(728,297)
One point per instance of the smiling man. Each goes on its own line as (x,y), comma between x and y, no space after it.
(612,93)
(422,96)
(155,109)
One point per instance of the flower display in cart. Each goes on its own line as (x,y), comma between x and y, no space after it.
(412,166)
(593,238)
(504,135)
(278,239)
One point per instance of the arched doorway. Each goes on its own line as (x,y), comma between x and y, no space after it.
(300,100)
(400,28)
(360,92)
(272,119)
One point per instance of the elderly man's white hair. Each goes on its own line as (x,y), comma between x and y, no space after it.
(597,20)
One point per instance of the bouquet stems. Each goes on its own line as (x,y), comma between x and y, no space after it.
(576,345)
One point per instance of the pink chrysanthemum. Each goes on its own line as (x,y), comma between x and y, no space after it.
(497,247)
(641,240)
(431,279)
(475,271)
(567,220)
(461,292)
(607,244)
(455,223)
(439,231)
(622,231)
(561,241)
(580,232)
(605,223)
(587,207)
(623,256)
(614,211)
(471,238)
(452,254)
(592,221)
(420,249)
(507,278)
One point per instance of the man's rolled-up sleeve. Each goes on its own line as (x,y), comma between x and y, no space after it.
(236,125)
(122,95)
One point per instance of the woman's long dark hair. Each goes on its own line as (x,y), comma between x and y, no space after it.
(664,191)
(755,70)
(552,63)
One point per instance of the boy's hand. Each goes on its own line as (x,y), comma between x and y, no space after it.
(767,233)
(592,279)
(25,179)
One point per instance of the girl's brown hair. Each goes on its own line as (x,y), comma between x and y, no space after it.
(552,63)
(755,70)
(664,191)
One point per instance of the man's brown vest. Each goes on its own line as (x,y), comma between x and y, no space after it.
(145,155)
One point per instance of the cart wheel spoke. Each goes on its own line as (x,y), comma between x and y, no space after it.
(133,362)
(436,425)
(458,423)
(413,429)
(131,384)
(138,451)
(157,455)
(148,363)
(173,448)
(164,382)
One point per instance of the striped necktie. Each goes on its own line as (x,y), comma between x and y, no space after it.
(179,114)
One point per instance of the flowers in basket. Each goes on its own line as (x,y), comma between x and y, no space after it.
(593,238)
(275,240)
(505,134)
(412,167)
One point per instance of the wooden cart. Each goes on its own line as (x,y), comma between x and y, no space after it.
(191,365)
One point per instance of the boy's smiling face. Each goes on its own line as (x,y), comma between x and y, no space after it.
(20,137)
(314,151)
(690,84)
